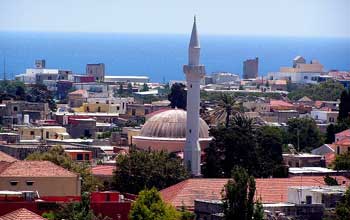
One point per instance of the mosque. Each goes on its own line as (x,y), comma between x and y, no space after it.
(176,130)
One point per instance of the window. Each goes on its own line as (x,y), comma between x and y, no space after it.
(338,150)
(331,119)
(30,183)
(79,156)
(32,133)
(13,183)
(15,108)
(47,134)
(146,111)
(308,199)
(190,130)
(191,85)
(305,77)
(87,157)
(118,108)
(349,149)
(99,109)
(133,111)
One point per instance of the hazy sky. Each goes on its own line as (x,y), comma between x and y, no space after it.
(236,17)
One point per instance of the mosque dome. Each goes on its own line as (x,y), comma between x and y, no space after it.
(167,131)
(171,124)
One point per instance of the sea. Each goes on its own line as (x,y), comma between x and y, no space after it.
(161,56)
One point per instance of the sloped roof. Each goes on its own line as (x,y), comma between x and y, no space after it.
(79,92)
(35,169)
(305,99)
(21,214)
(344,133)
(103,170)
(271,190)
(275,103)
(6,158)
(344,141)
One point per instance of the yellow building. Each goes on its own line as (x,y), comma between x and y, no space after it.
(43,132)
(98,107)
(43,176)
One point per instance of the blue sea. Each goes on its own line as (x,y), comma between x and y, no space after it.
(161,57)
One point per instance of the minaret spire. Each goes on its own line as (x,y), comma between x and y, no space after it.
(194,46)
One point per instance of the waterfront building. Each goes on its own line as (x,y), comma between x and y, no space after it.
(251,68)
(301,72)
(127,79)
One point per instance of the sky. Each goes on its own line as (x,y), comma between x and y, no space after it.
(304,18)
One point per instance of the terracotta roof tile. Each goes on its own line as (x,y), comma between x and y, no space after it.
(344,133)
(6,158)
(21,214)
(344,141)
(275,103)
(35,169)
(272,190)
(103,170)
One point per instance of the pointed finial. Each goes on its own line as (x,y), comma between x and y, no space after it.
(194,19)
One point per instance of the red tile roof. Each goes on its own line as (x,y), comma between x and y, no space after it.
(6,158)
(21,214)
(103,170)
(78,92)
(276,103)
(345,133)
(345,141)
(272,190)
(35,169)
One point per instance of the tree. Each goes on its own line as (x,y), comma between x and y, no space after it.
(270,142)
(304,134)
(332,129)
(129,88)
(146,169)
(344,106)
(343,207)
(77,210)
(238,197)
(121,89)
(144,87)
(258,150)
(227,103)
(57,156)
(330,181)
(149,206)
(342,161)
(326,91)
(40,93)
(178,96)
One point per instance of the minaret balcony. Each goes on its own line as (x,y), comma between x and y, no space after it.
(194,70)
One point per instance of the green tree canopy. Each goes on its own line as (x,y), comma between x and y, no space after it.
(238,197)
(326,91)
(57,156)
(150,206)
(303,132)
(343,207)
(342,161)
(146,169)
(344,106)
(259,150)
(144,87)
(178,96)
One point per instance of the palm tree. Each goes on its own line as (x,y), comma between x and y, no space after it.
(222,112)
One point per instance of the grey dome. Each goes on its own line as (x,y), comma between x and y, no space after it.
(171,124)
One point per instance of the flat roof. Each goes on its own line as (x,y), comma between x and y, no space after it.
(126,77)
(77,151)
(296,170)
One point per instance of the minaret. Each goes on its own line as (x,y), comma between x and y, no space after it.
(194,73)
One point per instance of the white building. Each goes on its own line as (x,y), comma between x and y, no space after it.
(301,72)
(324,116)
(127,79)
(225,78)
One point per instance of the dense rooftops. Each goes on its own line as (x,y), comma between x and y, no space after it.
(34,169)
